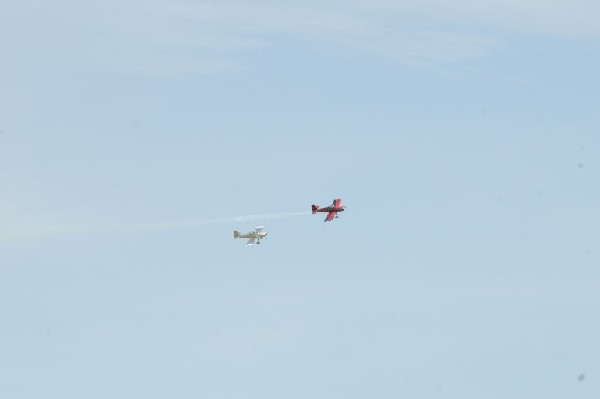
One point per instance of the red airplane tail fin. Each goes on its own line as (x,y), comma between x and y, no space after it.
(315,208)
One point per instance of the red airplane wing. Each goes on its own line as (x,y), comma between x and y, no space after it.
(330,216)
(337,203)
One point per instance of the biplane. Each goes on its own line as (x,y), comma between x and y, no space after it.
(332,210)
(254,236)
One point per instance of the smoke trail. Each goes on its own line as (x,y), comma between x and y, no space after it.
(268,216)
(32,231)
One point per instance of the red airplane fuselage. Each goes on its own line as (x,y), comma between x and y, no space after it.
(331,210)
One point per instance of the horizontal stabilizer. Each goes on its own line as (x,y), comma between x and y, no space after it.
(236,234)
(315,208)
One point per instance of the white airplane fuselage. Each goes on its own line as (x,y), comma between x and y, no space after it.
(252,236)
(258,236)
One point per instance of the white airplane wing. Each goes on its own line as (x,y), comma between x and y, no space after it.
(259,229)
(251,241)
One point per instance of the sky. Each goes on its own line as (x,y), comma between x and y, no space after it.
(136,135)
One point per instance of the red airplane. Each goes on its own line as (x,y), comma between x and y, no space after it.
(332,210)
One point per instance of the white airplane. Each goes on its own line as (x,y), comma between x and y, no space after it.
(254,236)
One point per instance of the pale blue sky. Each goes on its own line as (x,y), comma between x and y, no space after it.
(463,137)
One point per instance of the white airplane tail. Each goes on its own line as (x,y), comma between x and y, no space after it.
(236,234)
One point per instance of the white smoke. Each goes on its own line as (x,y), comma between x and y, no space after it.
(268,216)
(57,229)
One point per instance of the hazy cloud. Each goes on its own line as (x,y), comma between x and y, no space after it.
(159,37)
(540,17)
